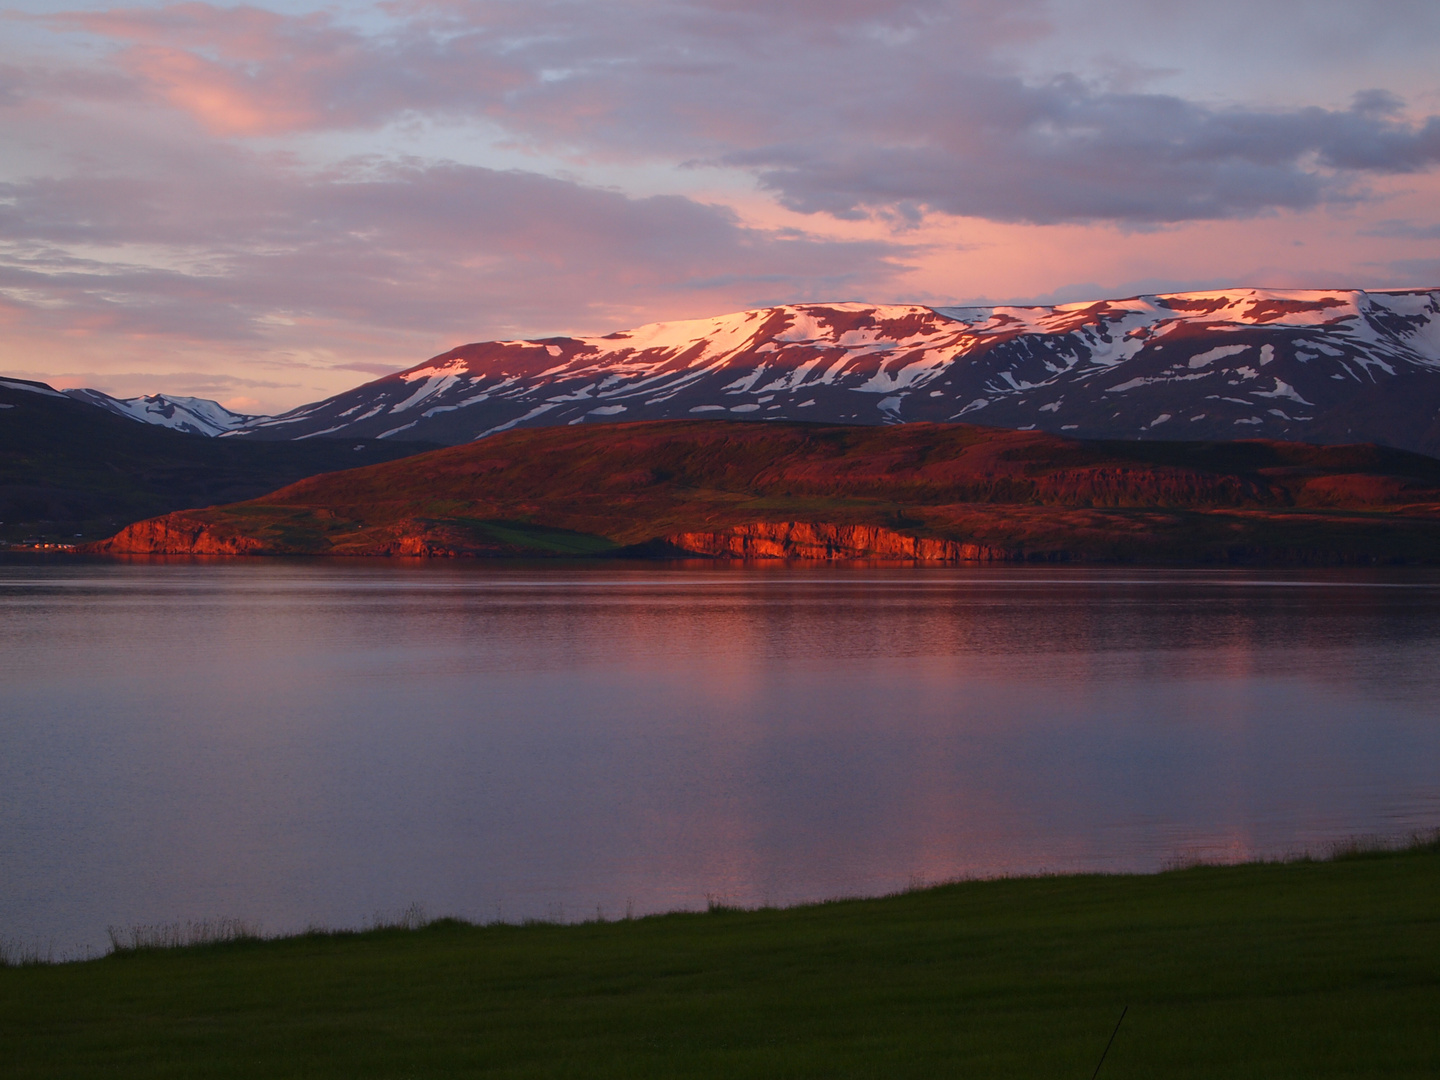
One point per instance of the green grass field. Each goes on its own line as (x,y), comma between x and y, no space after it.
(1304,969)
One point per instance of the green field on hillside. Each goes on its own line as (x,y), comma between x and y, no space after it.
(1302,969)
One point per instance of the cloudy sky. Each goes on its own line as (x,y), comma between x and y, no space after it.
(267,204)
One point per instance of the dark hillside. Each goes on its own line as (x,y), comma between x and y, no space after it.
(915,491)
(68,468)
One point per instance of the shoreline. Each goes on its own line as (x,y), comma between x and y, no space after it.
(211,932)
(1313,969)
(1049,560)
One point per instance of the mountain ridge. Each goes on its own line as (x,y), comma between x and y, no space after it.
(1323,366)
(1314,365)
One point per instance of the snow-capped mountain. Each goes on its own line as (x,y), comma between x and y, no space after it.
(200,416)
(1320,366)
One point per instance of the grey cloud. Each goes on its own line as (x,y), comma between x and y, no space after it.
(1378,103)
(1404,230)
(830,113)
(1413,272)
(1067,152)
(831,11)
(441,248)
(12,82)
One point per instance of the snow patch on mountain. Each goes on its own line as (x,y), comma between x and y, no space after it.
(199,416)
(1211,355)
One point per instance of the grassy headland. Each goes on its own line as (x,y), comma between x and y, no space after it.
(1302,969)
(926,491)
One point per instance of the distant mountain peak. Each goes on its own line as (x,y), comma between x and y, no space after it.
(199,416)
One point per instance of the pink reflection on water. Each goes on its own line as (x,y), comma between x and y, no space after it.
(301,743)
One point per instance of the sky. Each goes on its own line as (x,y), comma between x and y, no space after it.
(267,204)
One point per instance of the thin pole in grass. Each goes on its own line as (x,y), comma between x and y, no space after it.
(1110,1043)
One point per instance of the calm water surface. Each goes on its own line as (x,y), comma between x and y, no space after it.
(307,742)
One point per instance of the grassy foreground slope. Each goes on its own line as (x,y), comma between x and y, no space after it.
(1268,971)
(929,491)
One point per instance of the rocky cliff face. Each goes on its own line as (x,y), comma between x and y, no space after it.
(815,541)
(176,534)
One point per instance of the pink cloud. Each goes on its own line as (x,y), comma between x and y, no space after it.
(247,71)
(890,107)
(222,100)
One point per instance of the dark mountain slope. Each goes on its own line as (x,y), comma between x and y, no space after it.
(926,491)
(68,468)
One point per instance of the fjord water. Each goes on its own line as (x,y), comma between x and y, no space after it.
(313,742)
